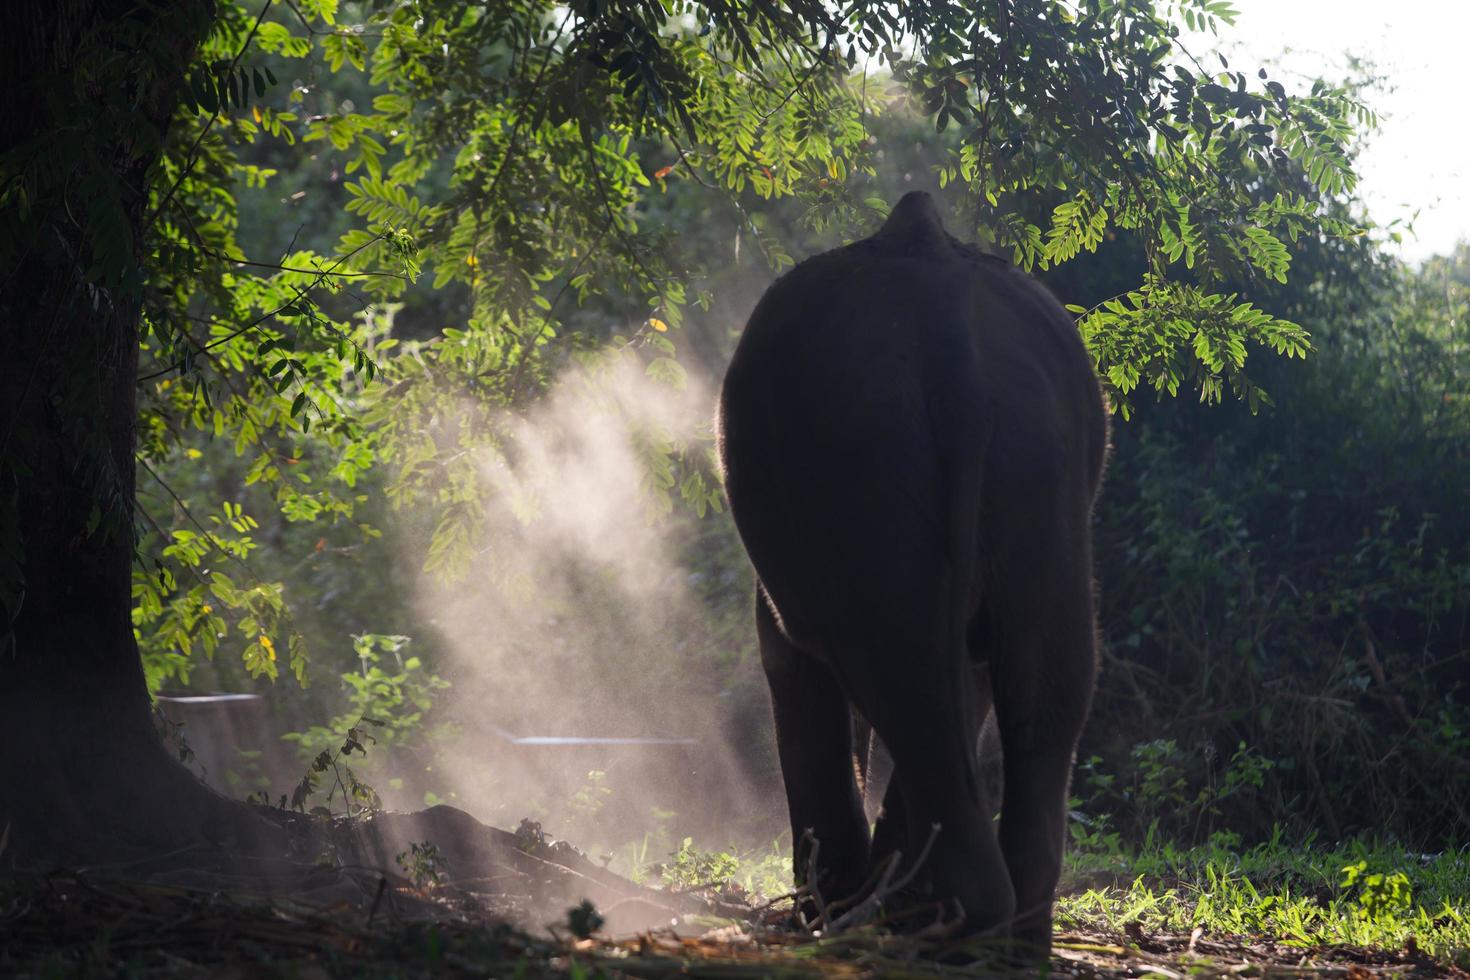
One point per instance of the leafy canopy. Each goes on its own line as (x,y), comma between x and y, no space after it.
(505,153)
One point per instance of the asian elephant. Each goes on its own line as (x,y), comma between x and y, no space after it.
(912,434)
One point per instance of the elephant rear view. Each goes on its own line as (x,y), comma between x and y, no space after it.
(912,435)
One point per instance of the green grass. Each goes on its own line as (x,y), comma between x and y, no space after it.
(1358,894)
(760,873)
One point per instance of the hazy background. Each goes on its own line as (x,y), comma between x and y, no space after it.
(1417,168)
(1242,558)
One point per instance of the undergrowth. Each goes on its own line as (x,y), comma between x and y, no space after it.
(1361,894)
(1308,896)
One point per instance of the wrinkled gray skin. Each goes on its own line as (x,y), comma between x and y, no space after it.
(912,435)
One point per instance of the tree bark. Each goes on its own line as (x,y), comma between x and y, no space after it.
(84,775)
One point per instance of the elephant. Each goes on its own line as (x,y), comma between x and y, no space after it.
(911,434)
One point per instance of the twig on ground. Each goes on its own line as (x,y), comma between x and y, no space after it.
(813,892)
(886,888)
(377,900)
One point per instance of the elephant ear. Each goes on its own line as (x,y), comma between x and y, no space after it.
(915,228)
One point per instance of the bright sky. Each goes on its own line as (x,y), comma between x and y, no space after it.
(1421,158)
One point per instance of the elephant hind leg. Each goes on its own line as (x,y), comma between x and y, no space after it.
(919,692)
(891,832)
(814,739)
(1044,667)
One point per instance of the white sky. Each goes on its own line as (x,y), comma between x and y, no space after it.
(1420,160)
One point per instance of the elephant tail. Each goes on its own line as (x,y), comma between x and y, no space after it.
(970,439)
(966,427)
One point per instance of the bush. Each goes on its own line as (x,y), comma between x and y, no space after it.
(1286,599)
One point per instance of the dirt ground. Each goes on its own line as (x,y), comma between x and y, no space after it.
(95,925)
(505,914)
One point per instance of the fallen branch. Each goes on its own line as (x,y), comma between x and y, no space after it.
(813,891)
(886,887)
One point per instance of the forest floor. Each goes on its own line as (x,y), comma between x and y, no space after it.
(80,925)
(1197,918)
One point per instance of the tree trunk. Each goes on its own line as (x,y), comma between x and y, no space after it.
(84,775)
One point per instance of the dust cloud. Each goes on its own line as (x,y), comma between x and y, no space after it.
(601,648)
